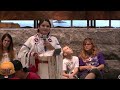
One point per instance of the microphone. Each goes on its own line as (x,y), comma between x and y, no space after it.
(44,38)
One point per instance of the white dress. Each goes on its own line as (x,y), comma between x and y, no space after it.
(35,44)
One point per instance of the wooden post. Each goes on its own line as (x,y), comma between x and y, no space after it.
(52,70)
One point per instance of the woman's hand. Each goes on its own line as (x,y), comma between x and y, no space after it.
(36,55)
(48,45)
(88,67)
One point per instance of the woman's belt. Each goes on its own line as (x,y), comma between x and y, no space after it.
(43,61)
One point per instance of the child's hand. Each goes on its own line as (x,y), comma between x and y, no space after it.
(71,76)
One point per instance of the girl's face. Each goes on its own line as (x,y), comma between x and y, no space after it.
(44,28)
(6,42)
(88,45)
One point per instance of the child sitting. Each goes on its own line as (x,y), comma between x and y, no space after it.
(70,64)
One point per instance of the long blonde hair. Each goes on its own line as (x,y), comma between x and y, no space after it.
(94,50)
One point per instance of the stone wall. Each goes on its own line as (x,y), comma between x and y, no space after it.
(107,39)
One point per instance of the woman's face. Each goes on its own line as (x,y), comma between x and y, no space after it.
(88,45)
(6,42)
(44,28)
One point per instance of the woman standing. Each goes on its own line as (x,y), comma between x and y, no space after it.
(40,43)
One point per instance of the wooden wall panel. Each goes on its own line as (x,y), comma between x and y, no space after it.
(92,15)
(115,15)
(60,15)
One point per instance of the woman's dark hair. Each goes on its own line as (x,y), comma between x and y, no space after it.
(41,21)
(10,47)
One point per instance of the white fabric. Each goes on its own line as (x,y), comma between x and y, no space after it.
(35,43)
(6,57)
(69,65)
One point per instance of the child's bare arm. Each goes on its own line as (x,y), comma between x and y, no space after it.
(75,71)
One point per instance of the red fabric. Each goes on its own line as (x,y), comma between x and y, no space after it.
(36,63)
(32,75)
(14,78)
(33,68)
